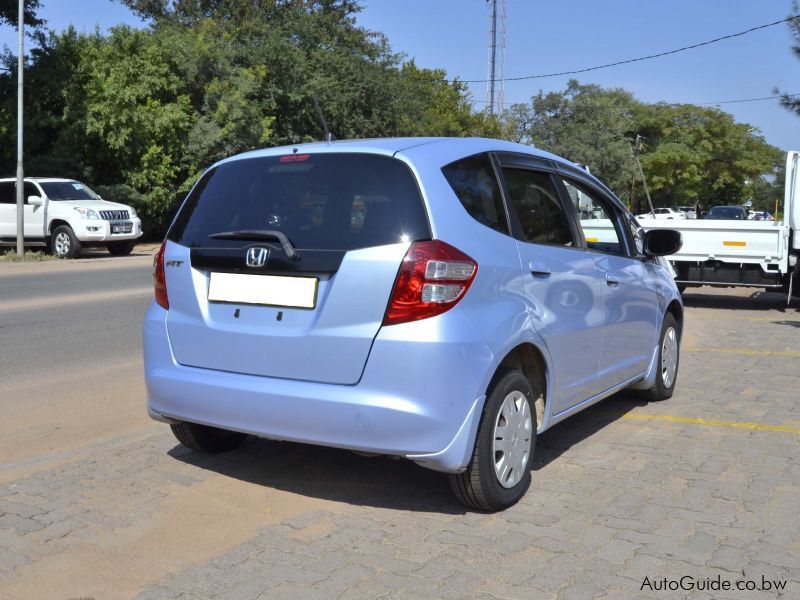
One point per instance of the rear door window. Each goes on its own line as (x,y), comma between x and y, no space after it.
(534,198)
(474,182)
(319,201)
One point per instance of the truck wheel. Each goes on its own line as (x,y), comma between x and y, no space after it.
(667,365)
(499,471)
(121,248)
(63,242)
(205,439)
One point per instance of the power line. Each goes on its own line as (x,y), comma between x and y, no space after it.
(680,103)
(640,58)
(749,99)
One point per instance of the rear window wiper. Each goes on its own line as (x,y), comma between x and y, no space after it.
(260,234)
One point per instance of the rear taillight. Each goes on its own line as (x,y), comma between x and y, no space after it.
(433,277)
(159,279)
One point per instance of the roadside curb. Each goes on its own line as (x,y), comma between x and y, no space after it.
(142,254)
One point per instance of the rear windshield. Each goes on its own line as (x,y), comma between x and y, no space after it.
(726,212)
(319,201)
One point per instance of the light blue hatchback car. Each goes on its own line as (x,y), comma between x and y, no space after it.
(442,300)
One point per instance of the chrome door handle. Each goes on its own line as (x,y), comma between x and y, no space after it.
(611,282)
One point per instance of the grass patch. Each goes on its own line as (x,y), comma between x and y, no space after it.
(10,255)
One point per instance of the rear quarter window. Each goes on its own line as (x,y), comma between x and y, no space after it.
(474,182)
(319,201)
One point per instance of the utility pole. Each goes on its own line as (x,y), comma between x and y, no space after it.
(20,171)
(639,139)
(497,55)
(493,56)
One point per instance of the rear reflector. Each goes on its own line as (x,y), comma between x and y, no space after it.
(433,277)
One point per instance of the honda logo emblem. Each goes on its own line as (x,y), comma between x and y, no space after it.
(256,257)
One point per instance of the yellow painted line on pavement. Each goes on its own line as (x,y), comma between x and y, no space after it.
(712,423)
(745,351)
(710,316)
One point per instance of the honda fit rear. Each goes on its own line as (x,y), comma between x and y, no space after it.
(440,300)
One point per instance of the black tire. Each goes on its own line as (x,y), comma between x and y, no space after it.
(205,439)
(660,391)
(63,242)
(478,486)
(121,248)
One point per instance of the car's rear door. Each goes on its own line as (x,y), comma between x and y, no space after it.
(239,303)
(630,300)
(562,283)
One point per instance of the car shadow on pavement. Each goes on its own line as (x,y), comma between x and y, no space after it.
(758,300)
(789,323)
(331,474)
(380,481)
(561,437)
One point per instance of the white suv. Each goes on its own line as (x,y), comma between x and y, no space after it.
(64,215)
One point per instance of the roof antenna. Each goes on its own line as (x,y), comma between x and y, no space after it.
(329,137)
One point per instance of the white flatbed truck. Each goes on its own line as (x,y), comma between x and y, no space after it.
(760,254)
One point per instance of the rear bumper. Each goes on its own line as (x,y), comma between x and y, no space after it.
(420,396)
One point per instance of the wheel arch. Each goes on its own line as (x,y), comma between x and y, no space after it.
(529,358)
(676,310)
(56,223)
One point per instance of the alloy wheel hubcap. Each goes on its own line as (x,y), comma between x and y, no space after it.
(62,243)
(511,446)
(669,357)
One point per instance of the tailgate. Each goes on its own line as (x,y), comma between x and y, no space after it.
(328,343)
(283,266)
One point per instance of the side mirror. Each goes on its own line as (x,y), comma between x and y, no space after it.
(35,200)
(662,242)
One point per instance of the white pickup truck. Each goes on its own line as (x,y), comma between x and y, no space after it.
(64,215)
(762,254)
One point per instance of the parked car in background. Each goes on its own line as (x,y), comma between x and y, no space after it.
(663,213)
(438,299)
(759,215)
(728,213)
(688,211)
(64,215)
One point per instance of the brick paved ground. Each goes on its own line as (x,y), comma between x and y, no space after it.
(617,497)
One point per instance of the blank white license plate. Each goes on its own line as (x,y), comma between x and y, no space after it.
(270,290)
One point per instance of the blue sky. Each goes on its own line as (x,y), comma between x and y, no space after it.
(545,37)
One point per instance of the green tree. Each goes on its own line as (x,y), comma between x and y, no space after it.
(587,124)
(792,102)
(9,13)
(140,113)
(690,154)
(701,155)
